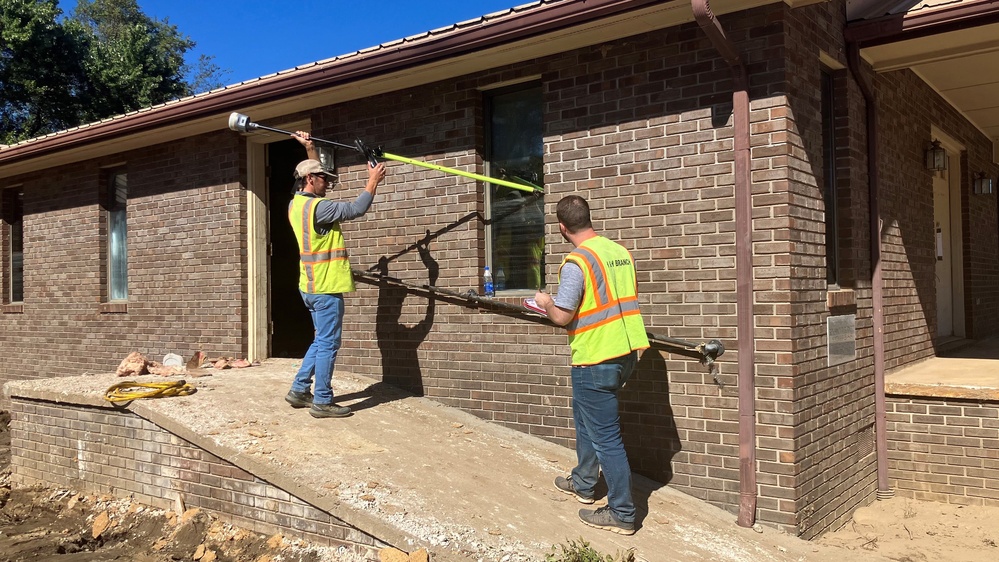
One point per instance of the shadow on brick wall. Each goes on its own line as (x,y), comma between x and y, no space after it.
(647,424)
(398,342)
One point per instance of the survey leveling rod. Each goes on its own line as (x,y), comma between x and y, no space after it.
(242,124)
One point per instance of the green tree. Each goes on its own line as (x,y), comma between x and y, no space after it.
(105,59)
(132,61)
(205,75)
(41,75)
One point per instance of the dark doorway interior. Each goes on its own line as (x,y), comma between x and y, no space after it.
(292,325)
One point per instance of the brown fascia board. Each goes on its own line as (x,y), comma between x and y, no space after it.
(531,22)
(902,27)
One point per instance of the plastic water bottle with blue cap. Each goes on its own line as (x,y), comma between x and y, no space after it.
(487,283)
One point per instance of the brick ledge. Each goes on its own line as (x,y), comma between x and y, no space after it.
(112,308)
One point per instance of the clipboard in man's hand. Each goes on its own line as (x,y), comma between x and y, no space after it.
(533,305)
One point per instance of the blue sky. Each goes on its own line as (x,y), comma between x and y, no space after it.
(252,38)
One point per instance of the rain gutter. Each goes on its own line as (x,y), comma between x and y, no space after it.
(530,22)
(877,283)
(743,260)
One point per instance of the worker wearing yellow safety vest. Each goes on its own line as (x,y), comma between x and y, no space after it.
(597,301)
(324,274)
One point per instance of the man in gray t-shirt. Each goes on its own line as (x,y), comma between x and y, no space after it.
(570,287)
(597,378)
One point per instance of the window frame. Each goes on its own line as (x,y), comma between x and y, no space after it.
(537,207)
(114,207)
(830,148)
(12,204)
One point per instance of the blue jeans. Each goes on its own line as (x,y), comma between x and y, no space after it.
(327,318)
(598,432)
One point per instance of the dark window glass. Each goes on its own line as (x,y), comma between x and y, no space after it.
(14,205)
(829,177)
(515,152)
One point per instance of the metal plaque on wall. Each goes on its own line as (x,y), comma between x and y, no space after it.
(841,335)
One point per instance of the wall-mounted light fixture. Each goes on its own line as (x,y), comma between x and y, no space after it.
(981,185)
(936,157)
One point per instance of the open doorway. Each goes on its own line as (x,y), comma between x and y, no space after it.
(291,323)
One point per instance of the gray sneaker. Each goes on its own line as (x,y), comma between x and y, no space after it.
(603,518)
(564,484)
(299,399)
(329,411)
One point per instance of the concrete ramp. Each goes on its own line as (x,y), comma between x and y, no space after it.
(403,471)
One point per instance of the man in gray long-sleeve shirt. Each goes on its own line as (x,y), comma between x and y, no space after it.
(324,274)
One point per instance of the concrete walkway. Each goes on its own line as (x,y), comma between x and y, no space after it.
(417,474)
(969,372)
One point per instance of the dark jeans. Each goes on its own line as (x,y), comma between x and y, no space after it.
(598,432)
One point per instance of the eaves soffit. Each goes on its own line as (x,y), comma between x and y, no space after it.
(953,45)
(521,33)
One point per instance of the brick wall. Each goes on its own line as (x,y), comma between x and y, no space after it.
(944,450)
(101,450)
(825,474)
(186,250)
(641,127)
(833,407)
(908,108)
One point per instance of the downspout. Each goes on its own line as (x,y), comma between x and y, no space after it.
(743,260)
(877,289)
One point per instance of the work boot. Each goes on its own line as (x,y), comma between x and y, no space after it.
(604,518)
(299,399)
(329,411)
(564,484)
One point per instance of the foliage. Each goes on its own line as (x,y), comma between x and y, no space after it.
(582,552)
(41,75)
(106,59)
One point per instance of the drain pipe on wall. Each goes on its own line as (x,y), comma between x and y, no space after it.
(877,290)
(743,260)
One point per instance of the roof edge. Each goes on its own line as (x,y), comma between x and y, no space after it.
(901,27)
(395,56)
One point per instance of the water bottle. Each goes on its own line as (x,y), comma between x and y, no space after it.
(487,283)
(500,280)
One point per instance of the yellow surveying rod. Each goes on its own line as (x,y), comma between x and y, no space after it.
(241,123)
(526,186)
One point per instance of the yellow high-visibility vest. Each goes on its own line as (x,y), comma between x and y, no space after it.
(607,323)
(324,267)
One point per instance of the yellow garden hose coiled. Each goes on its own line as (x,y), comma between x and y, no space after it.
(129,390)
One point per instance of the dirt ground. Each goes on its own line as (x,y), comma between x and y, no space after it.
(40,524)
(44,524)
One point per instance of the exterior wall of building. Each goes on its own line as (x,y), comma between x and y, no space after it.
(831,408)
(944,450)
(104,451)
(186,254)
(642,128)
(907,110)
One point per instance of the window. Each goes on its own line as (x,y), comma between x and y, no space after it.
(13,215)
(829,177)
(117,252)
(515,241)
